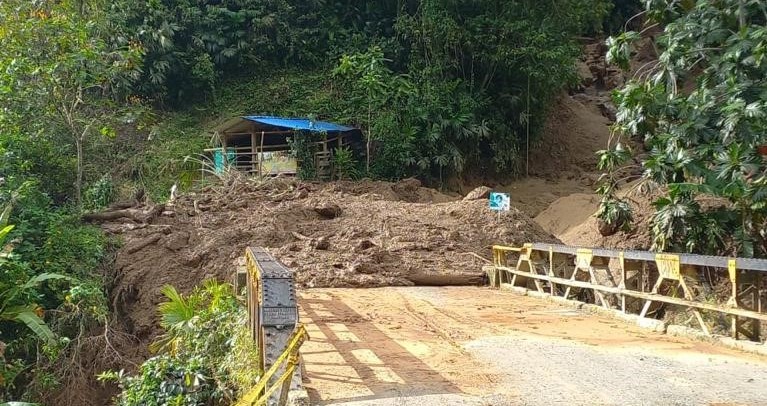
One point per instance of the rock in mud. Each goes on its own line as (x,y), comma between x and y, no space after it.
(363,267)
(407,189)
(606,229)
(482,192)
(364,245)
(321,244)
(176,241)
(608,110)
(407,184)
(328,210)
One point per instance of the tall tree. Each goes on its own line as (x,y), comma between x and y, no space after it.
(58,70)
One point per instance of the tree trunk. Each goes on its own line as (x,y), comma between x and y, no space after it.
(367,146)
(79,178)
(141,216)
(141,244)
(463,279)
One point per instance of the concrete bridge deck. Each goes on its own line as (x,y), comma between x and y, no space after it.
(478,346)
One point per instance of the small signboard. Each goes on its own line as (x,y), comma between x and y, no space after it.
(500,201)
(275,163)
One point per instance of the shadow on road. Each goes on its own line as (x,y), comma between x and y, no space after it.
(349,353)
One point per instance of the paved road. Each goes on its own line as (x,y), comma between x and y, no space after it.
(476,346)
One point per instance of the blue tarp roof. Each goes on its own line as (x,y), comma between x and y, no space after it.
(299,124)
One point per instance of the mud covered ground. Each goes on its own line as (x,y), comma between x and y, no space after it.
(341,234)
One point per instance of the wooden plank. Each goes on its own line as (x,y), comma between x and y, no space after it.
(260,152)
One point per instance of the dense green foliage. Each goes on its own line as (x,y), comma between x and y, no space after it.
(101,100)
(55,74)
(438,86)
(206,353)
(47,267)
(701,112)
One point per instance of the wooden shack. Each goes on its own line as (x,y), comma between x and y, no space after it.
(259,145)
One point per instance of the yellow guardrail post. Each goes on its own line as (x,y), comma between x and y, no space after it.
(583,258)
(622,261)
(254,396)
(732,270)
(552,285)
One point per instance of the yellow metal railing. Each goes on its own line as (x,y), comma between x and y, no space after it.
(259,394)
(274,326)
(642,276)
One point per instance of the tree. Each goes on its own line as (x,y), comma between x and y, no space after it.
(58,71)
(371,85)
(206,354)
(701,113)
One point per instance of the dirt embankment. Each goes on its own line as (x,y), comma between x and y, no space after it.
(562,197)
(637,237)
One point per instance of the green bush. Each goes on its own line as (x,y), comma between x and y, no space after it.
(100,194)
(206,353)
(46,241)
(303,148)
(345,164)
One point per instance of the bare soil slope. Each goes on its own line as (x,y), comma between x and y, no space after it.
(638,237)
(568,212)
(575,130)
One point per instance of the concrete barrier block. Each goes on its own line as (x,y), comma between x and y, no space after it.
(658,326)
(539,295)
(756,348)
(566,302)
(688,332)
(627,317)
(298,397)
(596,309)
(724,341)
(517,290)
(743,345)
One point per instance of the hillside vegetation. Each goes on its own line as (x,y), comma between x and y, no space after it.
(101,102)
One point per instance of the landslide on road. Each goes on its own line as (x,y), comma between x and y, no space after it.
(380,234)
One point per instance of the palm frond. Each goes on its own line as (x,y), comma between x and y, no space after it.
(176,310)
(5,215)
(42,278)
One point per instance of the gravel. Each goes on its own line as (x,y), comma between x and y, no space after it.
(554,372)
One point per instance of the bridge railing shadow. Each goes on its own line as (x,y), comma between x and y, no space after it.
(360,360)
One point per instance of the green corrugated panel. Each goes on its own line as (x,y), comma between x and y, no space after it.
(218,159)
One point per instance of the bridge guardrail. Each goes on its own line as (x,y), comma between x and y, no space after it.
(644,278)
(274,325)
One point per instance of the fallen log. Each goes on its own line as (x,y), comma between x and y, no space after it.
(154,212)
(435,279)
(141,244)
(137,215)
(109,215)
(123,205)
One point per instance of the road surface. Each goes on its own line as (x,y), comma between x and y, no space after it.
(477,346)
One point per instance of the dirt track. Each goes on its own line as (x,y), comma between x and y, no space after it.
(476,346)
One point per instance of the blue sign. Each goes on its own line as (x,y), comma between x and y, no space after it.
(500,201)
